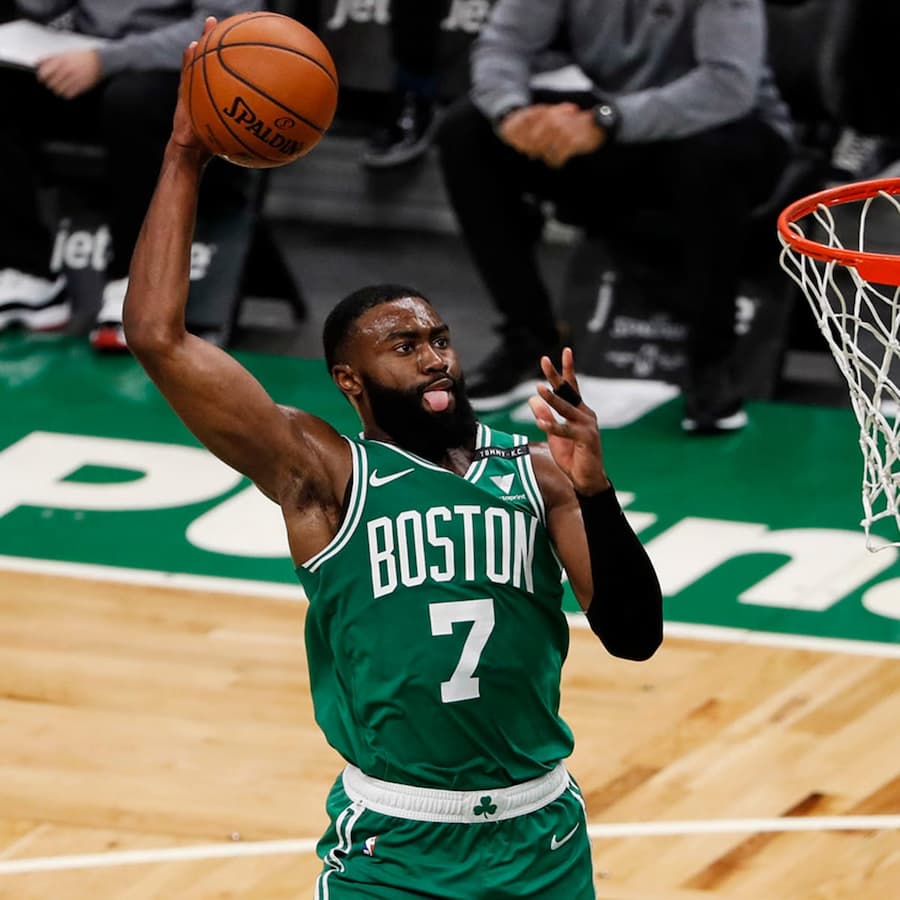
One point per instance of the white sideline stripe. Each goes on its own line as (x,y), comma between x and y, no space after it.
(280,591)
(308,845)
(151,578)
(163,854)
(725,635)
(770,639)
(752,826)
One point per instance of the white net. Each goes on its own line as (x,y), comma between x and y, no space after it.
(861,323)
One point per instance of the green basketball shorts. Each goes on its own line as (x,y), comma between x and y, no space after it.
(392,841)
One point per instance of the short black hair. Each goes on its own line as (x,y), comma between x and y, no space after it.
(352,307)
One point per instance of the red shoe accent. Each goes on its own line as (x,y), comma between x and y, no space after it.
(109,339)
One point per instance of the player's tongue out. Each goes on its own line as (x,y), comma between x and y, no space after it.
(437,401)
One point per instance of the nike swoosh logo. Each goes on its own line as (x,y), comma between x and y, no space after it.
(375,481)
(556,844)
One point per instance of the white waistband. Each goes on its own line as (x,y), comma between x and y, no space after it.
(462,807)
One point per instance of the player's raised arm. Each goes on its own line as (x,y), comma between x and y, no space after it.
(608,568)
(218,399)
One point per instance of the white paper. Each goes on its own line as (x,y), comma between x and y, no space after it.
(24,43)
(568,78)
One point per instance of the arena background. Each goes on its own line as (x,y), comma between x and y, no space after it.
(156,736)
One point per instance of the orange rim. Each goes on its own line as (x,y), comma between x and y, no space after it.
(880,268)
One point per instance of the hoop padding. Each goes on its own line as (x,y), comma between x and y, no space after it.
(854,294)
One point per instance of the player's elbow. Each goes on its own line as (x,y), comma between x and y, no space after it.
(634,637)
(635,648)
(629,630)
(143,341)
(146,335)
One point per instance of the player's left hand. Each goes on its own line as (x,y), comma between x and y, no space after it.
(70,74)
(574,442)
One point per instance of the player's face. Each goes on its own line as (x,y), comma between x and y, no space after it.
(411,376)
(405,345)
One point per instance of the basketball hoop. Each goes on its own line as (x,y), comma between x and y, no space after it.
(842,247)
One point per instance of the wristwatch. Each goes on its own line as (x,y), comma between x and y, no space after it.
(606,117)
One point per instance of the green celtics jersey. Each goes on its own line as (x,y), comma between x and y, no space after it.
(435,634)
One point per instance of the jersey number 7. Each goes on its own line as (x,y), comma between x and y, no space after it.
(462,684)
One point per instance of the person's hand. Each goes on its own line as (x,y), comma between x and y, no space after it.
(183,133)
(552,133)
(70,74)
(565,131)
(574,442)
(520,127)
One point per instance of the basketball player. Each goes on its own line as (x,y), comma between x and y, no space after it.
(430,549)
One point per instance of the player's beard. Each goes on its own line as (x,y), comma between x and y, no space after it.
(403,416)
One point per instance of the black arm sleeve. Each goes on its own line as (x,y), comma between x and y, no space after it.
(626,607)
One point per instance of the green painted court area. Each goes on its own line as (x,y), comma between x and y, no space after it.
(755,531)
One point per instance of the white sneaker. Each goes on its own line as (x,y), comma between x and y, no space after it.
(108,335)
(37,303)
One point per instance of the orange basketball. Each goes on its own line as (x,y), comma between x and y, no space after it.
(261,89)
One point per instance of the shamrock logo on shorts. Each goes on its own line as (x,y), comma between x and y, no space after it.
(486,808)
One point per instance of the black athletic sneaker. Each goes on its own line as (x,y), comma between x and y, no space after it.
(713,402)
(405,138)
(507,373)
(724,421)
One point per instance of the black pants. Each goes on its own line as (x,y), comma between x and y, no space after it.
(129,114)
(416,35)
(707,186)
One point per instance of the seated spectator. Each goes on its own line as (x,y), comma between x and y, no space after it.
(120,95)
(862,91)
(410,116)
(683,115)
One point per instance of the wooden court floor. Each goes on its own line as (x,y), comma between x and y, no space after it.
(159,743)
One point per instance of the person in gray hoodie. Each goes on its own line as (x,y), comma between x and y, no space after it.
(682,114)
(120,94)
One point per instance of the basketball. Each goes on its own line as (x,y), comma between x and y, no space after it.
(261,89)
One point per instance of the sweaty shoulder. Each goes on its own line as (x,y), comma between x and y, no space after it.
(319,458)
(555,486)
(314,480)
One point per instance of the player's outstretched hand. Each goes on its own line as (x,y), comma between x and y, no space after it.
(575,440)
(183,132)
